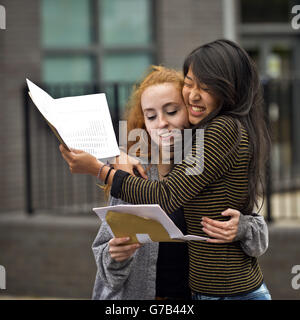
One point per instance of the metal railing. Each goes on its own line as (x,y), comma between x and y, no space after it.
(51,188)
(282,100)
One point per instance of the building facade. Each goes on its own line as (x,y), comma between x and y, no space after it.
(64,43)
(67,45)
(55,42)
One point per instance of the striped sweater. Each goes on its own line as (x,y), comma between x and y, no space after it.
(219,180)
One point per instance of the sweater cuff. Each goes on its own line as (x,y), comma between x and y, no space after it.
(242,228)
(117,183)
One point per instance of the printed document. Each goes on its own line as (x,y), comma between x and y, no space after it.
(81,122)
(143,223)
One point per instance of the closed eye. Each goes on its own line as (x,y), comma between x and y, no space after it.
(172,112)
(186,84)
(205,89)
(151,117)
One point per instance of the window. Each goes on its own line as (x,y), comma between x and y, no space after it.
(125,22)
(66,69)
(266,11)
(66,23)
(96,40)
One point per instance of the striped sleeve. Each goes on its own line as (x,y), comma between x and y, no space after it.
(190,177)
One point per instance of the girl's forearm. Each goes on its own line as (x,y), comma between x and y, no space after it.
(103,173)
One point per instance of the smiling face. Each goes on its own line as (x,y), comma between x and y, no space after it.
(164,110)
(199,101)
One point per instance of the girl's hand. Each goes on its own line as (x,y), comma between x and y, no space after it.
(119,251)
(127,163)
(80,161)
(222,231)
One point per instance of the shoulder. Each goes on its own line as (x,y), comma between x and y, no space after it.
(223,123)
(222,127)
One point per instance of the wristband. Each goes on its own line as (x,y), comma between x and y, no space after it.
(100,170)
(106,178)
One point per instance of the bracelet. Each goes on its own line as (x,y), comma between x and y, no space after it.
(100,170)
(106,178)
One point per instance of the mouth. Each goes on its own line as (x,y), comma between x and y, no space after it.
(197,110)
(166,136)
(173,135)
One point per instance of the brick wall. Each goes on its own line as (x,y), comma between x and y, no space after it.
(20,58)
(48,256)
(184,25)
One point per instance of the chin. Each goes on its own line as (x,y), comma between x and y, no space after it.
(167,157)
(194,120)
(167,146)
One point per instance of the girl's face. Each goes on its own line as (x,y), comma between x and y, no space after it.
(164,110)
(199,101)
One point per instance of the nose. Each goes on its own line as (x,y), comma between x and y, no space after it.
(195,94)
(162,122)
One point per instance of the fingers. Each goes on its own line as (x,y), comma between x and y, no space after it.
(122,256)
(119,251)
(76,151)
(67,155)
(222,231)
(124,249)
(217,241)
(70,157)
(218,224)
(231,212)
(227,225)
(218,233)
(118,241)
(141,171)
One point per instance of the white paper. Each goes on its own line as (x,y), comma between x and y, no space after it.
(83,122)
(151,211)
(42,100)
(143,237)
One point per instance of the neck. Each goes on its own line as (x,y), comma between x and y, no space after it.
(164,169)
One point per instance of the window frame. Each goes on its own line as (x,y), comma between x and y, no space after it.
(97,51)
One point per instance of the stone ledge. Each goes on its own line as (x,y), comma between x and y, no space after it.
(40,219)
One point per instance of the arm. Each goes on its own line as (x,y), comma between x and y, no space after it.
(112,272)
(129,164)
(187,179)
(253,235)
(250,230)
(84,163)
(219,154)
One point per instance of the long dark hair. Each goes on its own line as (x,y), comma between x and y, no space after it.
(227,70)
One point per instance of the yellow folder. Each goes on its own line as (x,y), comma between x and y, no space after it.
(129,225)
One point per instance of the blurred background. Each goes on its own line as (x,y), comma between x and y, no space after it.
(74,47)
